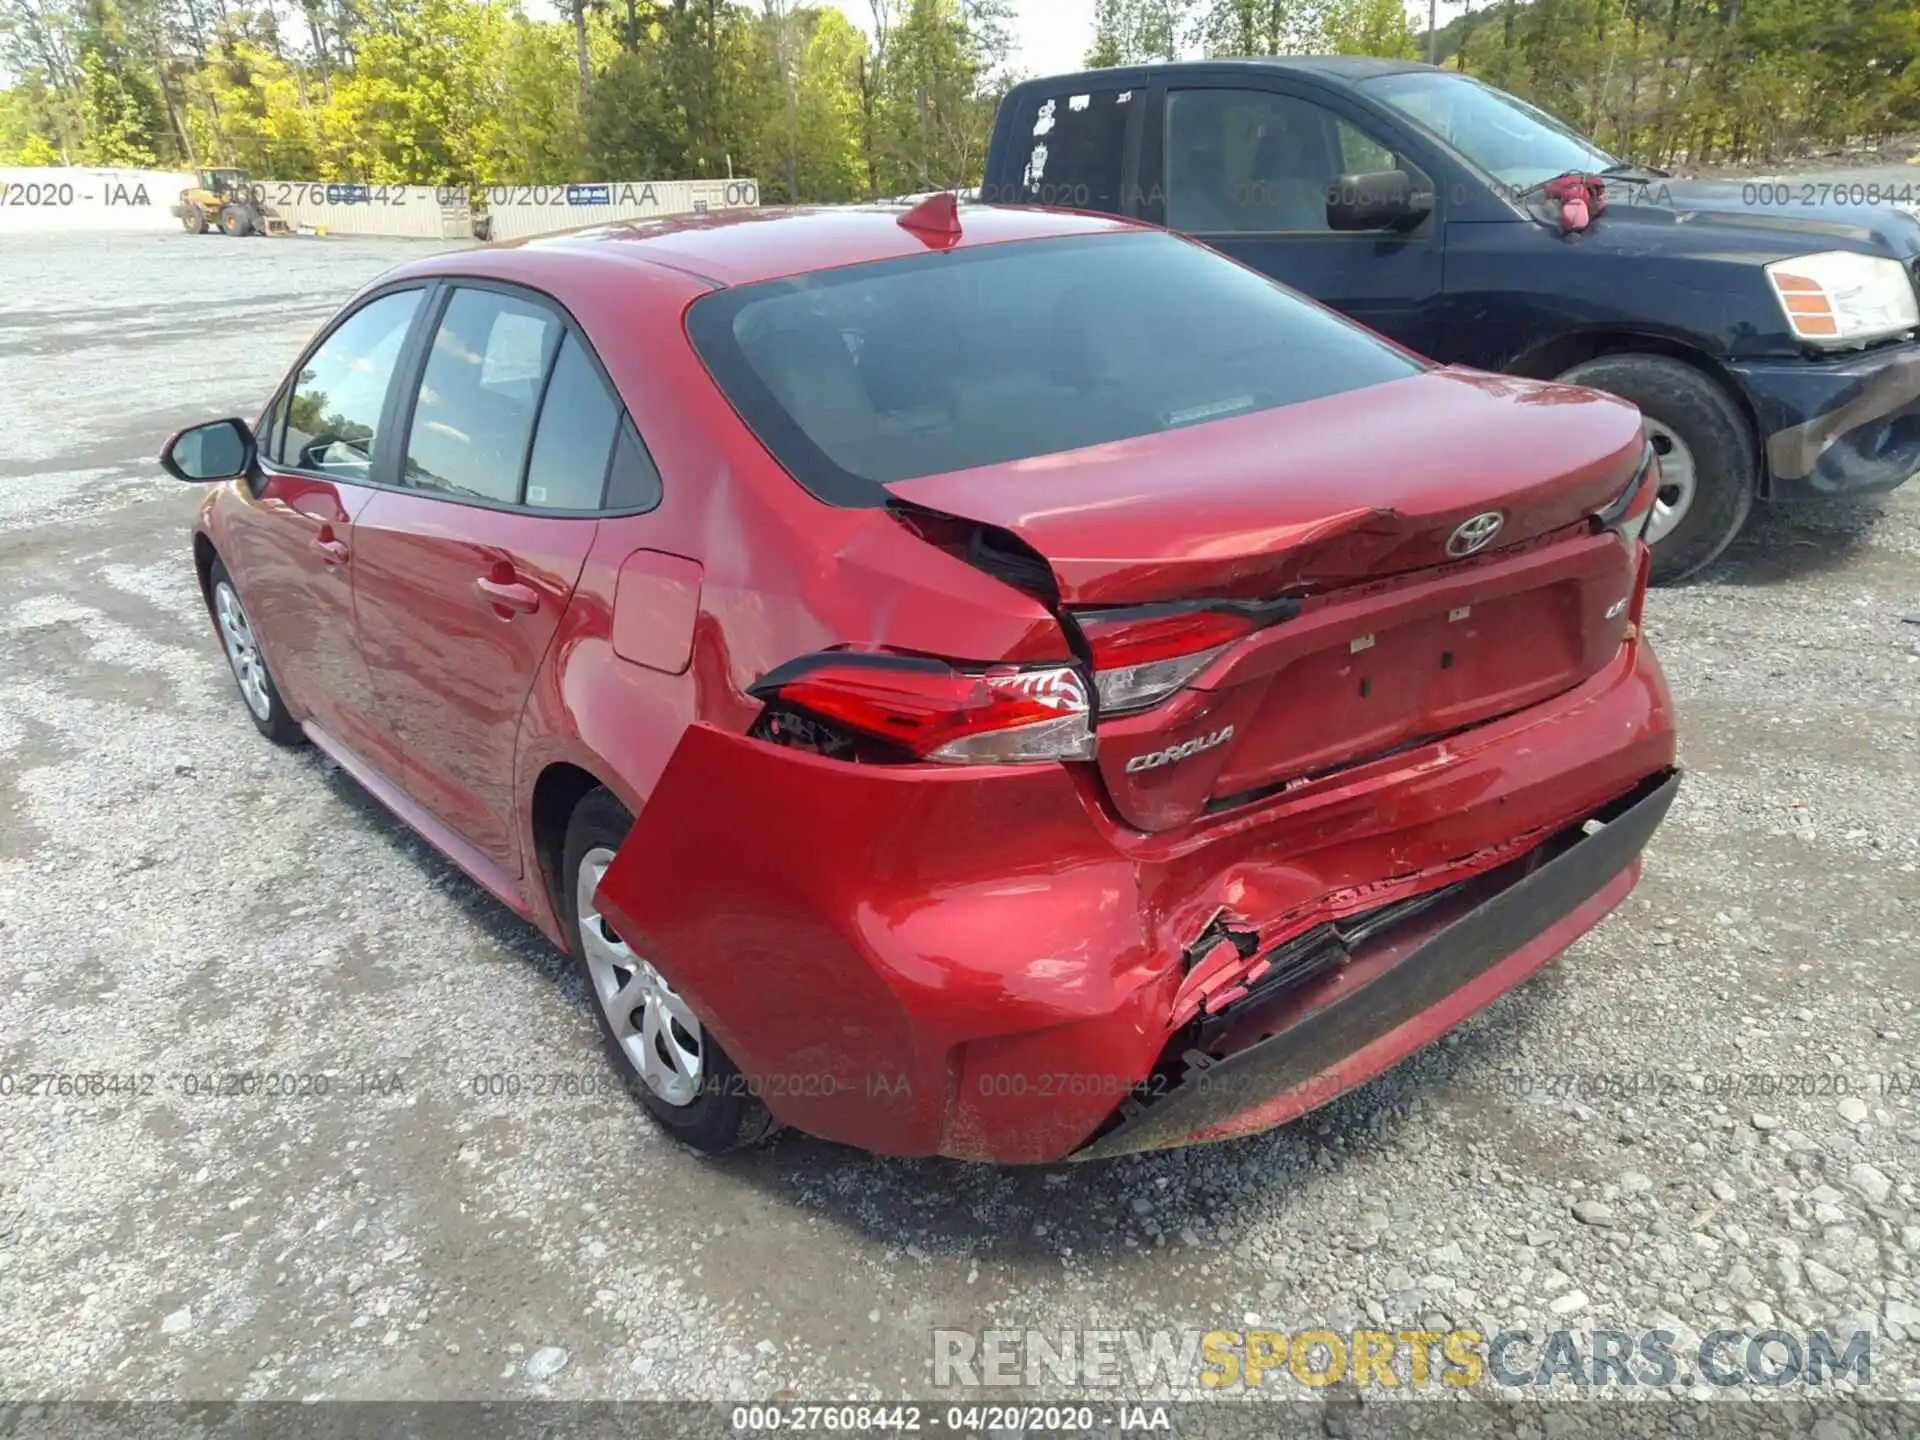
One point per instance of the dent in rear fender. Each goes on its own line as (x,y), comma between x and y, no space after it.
(844,929)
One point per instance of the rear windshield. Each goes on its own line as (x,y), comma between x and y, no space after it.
(857,377)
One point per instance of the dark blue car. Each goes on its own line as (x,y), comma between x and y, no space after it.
(1765,330)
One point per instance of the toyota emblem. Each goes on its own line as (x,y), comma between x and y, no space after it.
(1474,533)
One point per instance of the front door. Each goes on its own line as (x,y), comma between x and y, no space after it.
(1248,172)
(466,564)
(295,542)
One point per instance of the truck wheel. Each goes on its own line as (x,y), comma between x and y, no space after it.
(195,220)
(1709,465)
(235,220)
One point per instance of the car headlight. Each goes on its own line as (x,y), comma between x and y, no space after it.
(1839,298)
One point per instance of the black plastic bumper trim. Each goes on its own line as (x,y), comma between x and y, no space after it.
(1215,1090)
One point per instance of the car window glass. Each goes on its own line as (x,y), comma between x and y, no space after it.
(568,470)
(273,433)
(873,373)
(1240,161)
(633,483)
(1361,153)
(474,415)
(1500,133)
(337,398)
(1074,147)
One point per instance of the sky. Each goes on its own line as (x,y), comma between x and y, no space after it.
(1049,36)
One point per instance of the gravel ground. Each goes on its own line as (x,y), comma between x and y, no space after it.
(1624,1142)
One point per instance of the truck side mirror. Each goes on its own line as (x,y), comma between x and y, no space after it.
(1377,200)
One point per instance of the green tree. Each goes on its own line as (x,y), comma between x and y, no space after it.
(119,117)
(827,109)
(28,115)
(1128,32)
(41,44)
(634,131)
(533,128)
(1369,27)
(811,149)
(266,125)
(936,109)
(1261,27)
(414,106)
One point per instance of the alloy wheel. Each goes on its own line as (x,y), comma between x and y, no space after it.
(656,1029)
(243,650)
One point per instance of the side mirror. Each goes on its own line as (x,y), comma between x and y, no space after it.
(218,450)
(1377,200)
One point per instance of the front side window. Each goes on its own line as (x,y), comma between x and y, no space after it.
(1506,137)
(869,374)
(1254,161)
(332,412)
(473,420)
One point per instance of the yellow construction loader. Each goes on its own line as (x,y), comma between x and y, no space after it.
(227,201)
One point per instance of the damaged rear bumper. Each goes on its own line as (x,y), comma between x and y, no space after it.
(1848,426)
(981,962)
(1406,984)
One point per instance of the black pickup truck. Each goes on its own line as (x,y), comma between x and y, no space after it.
(1765,330)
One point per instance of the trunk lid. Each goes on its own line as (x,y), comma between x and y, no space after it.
(1349,504)
(1346,488)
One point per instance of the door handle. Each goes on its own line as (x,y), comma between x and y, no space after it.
(330,550)
(509,596)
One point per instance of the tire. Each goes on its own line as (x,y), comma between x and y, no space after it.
(249,662)
(693,1091)
(236,220)
(1689,416)
(195,220)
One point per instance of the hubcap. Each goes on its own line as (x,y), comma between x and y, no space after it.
(655,1027)
(1678,481)
(243,651)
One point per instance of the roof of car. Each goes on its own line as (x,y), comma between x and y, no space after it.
(1339,67)
(739,247)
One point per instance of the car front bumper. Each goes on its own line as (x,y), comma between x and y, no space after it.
(983,964)
(1846,426)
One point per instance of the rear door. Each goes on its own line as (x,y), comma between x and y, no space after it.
(1248,170)
(467,561)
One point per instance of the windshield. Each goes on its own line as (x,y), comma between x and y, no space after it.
(888,371)
(1508,138)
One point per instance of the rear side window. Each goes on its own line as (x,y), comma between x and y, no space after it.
(473,419)
(332,412)
(632,483)
(1073,149)
(513,409)
(860,376)
(568,469)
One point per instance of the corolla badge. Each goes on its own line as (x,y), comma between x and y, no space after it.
(1475,532)
(1172,753)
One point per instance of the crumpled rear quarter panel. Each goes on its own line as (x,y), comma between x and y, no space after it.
(844,928)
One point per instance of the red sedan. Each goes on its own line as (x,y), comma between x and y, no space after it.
(1006,684)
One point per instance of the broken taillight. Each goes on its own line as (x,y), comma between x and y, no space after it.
(1144,653)
(1630,511)
(882,707)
